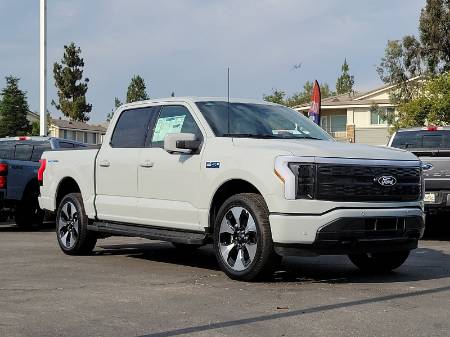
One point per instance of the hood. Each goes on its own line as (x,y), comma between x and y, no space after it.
(326,149)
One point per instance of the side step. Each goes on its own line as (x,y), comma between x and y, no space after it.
(151,233)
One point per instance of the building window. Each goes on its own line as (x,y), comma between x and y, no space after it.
(377,116)
(334,123)
(65,134)
(85,140)
(338,123)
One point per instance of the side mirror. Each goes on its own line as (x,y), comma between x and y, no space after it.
(181,143)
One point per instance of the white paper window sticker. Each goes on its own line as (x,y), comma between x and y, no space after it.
(166,125)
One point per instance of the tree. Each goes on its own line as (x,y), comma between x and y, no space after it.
(434,28)
(71,86)
(427,55)
(36,126)
(277,97)
(117,103)
(401,62)
(345,82)
(298,98)
(13,109)
(430,107)
(137,90)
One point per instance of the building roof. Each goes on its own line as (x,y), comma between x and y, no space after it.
(72,125)
(351,99)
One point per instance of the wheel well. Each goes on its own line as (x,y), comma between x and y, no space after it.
(225,191)
(66,186)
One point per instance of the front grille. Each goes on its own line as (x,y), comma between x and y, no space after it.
(359,183)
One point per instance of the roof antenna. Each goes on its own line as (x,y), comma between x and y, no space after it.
(228,99)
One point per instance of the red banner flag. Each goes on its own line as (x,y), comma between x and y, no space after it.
(314,110)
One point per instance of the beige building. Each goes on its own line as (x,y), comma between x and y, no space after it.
(348,117)
(79,131)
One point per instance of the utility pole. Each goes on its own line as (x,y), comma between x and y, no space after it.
(43,68)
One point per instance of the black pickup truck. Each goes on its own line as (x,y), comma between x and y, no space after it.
(19,164)
(432,146)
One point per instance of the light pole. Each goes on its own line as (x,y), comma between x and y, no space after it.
(43,68)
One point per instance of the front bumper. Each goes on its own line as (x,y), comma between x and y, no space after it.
(441,202)
(344,231)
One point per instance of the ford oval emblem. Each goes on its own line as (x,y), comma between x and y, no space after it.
(427,166)
(386,181)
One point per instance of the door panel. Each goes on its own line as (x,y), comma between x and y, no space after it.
(169,184)
(117,166)
(116,183)
(168,189)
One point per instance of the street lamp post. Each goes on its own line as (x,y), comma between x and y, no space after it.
(43,68)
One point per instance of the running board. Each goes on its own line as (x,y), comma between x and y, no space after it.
(152,233)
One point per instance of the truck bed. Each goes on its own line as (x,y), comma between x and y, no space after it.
(78,165)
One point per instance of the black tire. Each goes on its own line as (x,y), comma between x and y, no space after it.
(379,262)
(186,247)
(67,219)
(265,258)
(27,212)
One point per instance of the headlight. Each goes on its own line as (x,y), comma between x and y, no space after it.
(298,175)
(306,180)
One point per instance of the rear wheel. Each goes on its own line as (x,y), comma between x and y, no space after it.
(379,262)
(242,238)
(28,212)
(71,226)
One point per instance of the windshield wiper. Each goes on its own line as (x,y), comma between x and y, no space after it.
(249,135)
(305,137)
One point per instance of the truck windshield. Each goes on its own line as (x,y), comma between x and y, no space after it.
(422,139)
(252,120)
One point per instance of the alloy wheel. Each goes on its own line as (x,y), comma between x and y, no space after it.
(68,225)
(238,238)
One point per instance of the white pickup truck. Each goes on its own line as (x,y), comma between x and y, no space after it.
(258,180)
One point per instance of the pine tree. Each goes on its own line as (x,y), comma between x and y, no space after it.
(71,86)
(345,82)
(13,109)
(137,90)
(117,103)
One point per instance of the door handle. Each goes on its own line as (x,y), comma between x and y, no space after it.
(104,163)
(146,163)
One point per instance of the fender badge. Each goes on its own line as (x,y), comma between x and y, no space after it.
(213,164)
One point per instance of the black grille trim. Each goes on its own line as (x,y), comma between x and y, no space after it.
(358,183)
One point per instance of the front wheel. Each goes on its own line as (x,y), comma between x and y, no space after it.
(71,226)
(242,238)
(379,262)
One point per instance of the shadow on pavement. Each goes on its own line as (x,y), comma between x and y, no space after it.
(11,227)
(294,313)
(423,264)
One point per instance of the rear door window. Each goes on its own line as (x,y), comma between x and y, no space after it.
(66,145)
(132,127)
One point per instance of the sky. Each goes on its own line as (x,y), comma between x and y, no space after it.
(186,46)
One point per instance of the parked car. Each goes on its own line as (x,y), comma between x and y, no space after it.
(256,179)
(19,163)
(432,145)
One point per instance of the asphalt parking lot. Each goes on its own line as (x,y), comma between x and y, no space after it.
(136,287)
